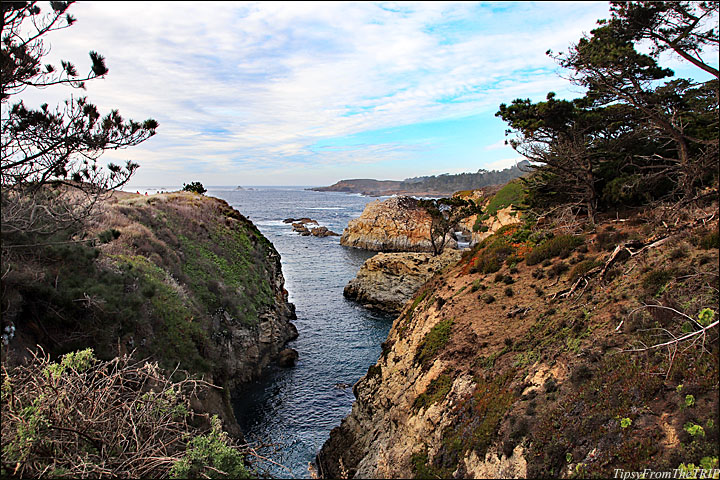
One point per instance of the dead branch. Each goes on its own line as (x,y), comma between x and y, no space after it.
(119,418)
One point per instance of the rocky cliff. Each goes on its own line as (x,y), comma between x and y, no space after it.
(180,278)
(397,224)
(500,208)
(549,354)
(387,281)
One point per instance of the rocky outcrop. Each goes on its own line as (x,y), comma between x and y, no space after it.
(387,281)
(302,221)
(397,224)
(523,371)
(499,205)
(180,278)
(504,216)
(288,357)
(300,228)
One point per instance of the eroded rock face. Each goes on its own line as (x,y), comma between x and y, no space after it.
(394,225)
(299,227)
(177,241)
(476,382)
(388,280)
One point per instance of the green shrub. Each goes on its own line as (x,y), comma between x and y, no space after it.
(210,450)
(654,280)
(711,240)
(195,187)
(510,194)
(558,269)
(494,254)
(86,418)
(561,245)
(582,268)
(433,342)
(477,285)
(435,392)
(108,235)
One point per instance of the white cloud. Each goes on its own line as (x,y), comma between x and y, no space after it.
(504,163)
(268,80)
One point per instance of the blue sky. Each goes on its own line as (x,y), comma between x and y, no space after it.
(302,93)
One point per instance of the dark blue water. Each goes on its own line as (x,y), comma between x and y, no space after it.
(338,340)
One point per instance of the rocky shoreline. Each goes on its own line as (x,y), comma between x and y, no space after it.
(299,225)
(387,281)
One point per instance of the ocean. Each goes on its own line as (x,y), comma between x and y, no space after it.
(294,409)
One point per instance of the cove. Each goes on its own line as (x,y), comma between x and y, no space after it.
(295,408)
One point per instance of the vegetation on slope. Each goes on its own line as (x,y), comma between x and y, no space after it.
(587,367)
(172,266)
(84,418)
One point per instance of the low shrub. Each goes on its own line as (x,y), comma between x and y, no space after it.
(710,240)
(86,418)
(582,268)
(558,269)
(433,342)
(494,251)
(436,391)
(654,280)
(560,246)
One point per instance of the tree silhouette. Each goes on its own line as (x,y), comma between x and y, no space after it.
(49,169)
(445,214)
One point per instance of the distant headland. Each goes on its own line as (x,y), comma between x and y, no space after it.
(435,185)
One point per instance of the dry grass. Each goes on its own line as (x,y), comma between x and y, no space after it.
(84,418)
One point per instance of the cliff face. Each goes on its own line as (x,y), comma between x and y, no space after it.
(387,281)
(179,278)
(519,362)
(499,206)
(227,276)
(393,225)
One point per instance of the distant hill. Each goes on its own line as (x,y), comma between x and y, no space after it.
(445,184)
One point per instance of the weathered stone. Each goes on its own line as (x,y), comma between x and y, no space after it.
(397,224)
(388,280)
(323,232)
(287,357)
(303,221)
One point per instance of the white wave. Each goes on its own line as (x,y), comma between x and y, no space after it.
(271,223)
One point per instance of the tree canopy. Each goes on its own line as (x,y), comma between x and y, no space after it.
(195,187)
(638,133)
(54,146)
(446,212)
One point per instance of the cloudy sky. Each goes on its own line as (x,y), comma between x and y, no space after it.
(300,93)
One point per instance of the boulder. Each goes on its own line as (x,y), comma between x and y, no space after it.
(323,232)
(287,357)
(301,229)
(302,221)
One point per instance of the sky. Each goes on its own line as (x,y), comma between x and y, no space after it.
(306,93)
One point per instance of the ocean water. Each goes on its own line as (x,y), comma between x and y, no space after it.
(294,409)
